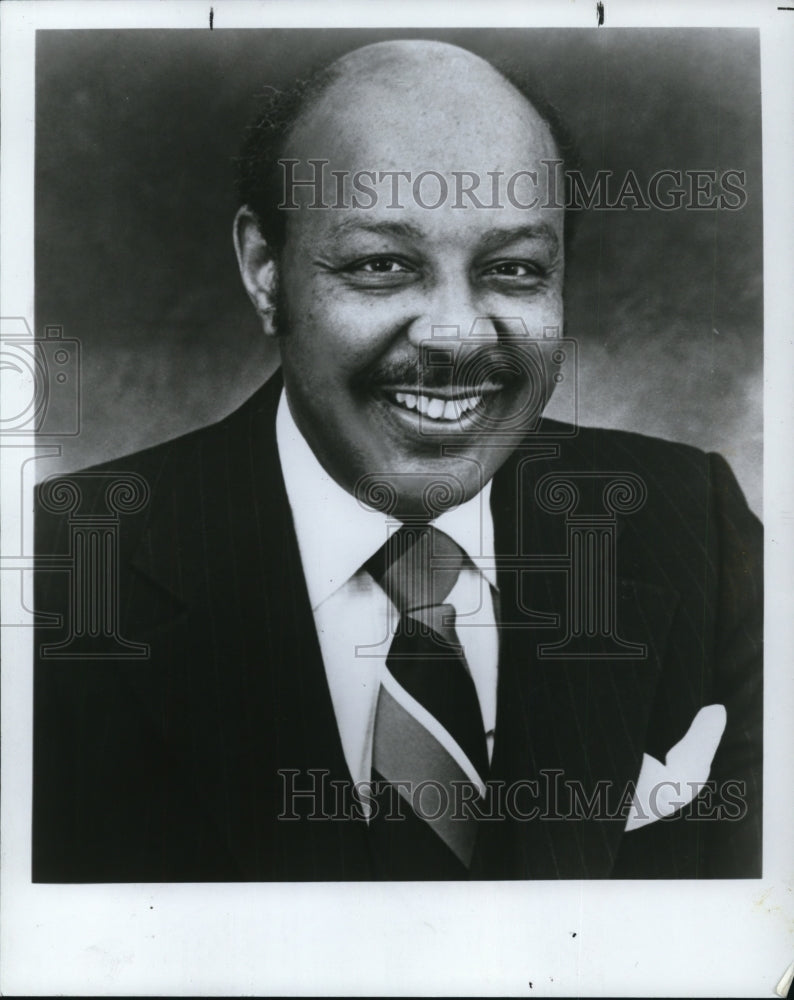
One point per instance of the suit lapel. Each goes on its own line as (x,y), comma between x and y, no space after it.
(243,696)
(563,723)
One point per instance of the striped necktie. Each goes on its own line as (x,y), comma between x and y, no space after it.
(429,739)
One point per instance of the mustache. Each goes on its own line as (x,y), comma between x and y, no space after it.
(492,366)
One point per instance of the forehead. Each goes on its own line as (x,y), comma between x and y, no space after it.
(463,122)
(423,115)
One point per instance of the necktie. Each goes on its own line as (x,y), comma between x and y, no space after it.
(429,741)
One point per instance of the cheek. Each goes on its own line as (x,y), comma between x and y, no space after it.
(335,337)
(323,354)
(543,312)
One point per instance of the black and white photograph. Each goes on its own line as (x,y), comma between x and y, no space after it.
(395,427)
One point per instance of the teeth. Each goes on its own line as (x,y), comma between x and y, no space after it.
(436,408)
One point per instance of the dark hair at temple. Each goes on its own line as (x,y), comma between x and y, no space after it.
(259,180)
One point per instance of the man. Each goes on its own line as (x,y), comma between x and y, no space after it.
(383,621)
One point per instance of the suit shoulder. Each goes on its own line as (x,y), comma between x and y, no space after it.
(682,475)
(602,443)
(179,453)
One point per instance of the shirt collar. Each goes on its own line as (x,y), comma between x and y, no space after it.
(336,534)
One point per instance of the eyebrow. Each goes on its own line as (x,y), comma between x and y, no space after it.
(534,231)
(491,239)
(378,228)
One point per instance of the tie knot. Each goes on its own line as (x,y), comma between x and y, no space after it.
(417,567)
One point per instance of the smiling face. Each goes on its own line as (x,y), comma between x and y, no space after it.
(412,352)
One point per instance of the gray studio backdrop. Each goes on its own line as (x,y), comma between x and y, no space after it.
(135,137)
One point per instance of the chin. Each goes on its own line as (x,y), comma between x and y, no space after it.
(423,493)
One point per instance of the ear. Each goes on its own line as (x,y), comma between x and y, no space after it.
(257,267)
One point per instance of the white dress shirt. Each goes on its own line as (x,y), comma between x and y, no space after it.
(354,618)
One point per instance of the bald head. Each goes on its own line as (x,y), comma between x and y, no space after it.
(419,75)
(427,105)
(423,104)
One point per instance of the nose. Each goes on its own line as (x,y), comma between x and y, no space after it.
(452,314)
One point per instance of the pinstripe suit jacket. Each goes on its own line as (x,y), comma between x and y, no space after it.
(172,767)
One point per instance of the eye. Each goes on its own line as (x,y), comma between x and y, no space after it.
(513,269)
(380,265)
(379,273)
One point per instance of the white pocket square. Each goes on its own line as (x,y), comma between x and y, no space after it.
(663,789)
